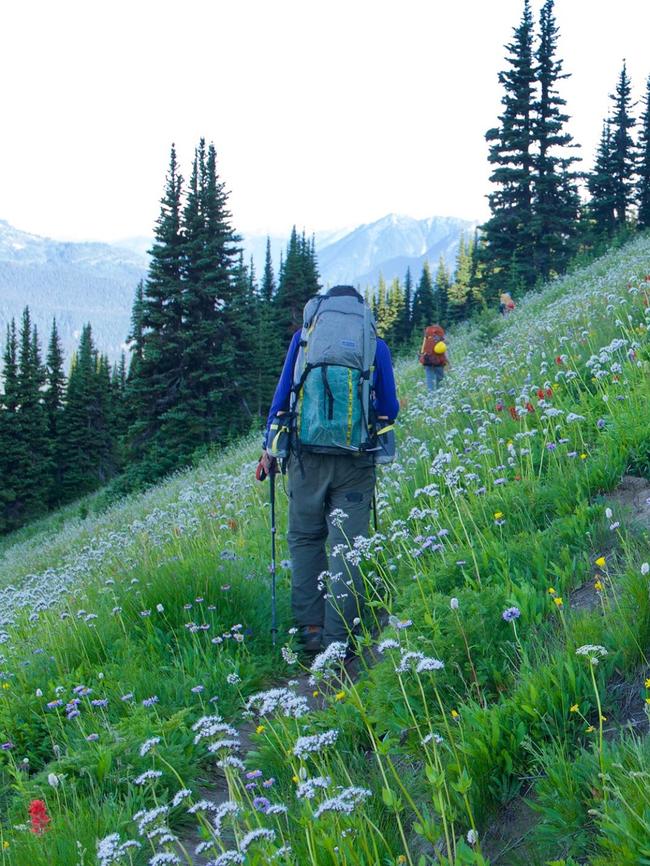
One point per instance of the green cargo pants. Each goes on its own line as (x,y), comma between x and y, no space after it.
(323,483)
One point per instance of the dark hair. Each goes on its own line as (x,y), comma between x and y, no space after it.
(339,291)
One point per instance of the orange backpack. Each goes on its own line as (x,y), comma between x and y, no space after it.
(433,335)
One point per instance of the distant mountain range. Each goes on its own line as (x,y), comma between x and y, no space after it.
(74,282)
(95,282)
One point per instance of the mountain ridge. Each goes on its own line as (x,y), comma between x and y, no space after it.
(93,281)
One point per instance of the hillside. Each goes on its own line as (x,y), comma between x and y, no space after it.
(505,655)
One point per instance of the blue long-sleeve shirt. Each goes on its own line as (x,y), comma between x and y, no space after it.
(384,394)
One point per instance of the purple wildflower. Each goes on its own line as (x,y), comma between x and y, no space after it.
(511,613)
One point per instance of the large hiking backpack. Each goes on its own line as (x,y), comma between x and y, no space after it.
(433,335)
(330,399)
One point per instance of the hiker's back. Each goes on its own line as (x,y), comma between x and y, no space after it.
(331,387)
(433,352)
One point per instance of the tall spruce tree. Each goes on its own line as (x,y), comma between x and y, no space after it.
(600,182)
(157,324)
(89,458)
(643,184)
(267,289)
(54,403)
(460,285)
(556,200)
(442,287)
(298,283)
(510,242)
(208,408)
(622,155)
(33,462)
(9,445)
(269,343)
(424,302)
(404,330)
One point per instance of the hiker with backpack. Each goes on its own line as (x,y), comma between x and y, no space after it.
(433,356)
(332,420)
(506,304)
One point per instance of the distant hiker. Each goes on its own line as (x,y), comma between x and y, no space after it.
(335,403)
(506,304)
(433,356)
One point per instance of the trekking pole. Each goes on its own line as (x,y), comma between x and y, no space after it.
(374,510)
(274,627)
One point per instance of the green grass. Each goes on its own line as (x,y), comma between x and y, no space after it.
(166,595)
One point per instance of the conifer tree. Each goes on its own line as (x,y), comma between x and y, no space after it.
(600,183)
(9,445)
(395,312)
(298,283)
(135,338)
(643,185)
(208,407)
(33,467)
(404,330)
(267,290)
(460,285)
(509,235)
(88,449)
(556,201)
(54,402)
(622,155)
(424,302)
(442,287)
(157,323)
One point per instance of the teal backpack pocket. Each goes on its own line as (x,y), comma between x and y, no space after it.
(329,413)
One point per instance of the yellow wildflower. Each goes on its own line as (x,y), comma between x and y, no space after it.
(551,591)
(498,515)
(583,456)
(647,683)
(598,586)
(454,714)
(574,708)
(647,700)
(5,844)
(295,779)
(260,729)
(315,694)
(339,696)
(590,729)
(600,562)
(558,600)
(401,858)
(5,685)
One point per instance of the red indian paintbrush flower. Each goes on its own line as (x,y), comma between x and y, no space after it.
(40,818)
(513,412)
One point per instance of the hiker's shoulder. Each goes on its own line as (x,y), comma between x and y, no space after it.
(382,352)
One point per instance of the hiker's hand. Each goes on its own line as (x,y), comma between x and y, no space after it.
(266,466)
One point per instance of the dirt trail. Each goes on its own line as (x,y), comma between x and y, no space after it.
(215,788)
(506,840)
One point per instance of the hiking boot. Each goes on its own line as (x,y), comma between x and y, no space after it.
(312,639)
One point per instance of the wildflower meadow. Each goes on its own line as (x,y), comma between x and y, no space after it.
(146,718)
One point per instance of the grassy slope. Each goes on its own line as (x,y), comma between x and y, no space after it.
(161,582)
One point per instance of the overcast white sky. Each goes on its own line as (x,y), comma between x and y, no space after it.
(325,113)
